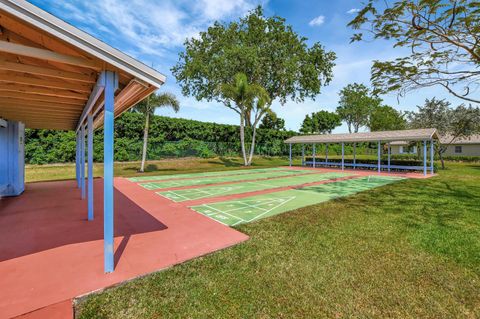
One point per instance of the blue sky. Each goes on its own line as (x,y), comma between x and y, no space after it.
(154,32)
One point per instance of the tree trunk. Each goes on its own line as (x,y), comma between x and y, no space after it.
(252,147)
(242,137)
(441,150)
(145,139)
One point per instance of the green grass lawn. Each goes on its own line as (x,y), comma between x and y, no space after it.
(410,249)
(36,173)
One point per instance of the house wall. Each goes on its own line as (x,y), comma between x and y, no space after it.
(467,150)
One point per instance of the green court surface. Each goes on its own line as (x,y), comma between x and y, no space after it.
(256,207)
(213,191)
(221,179)
(206,174)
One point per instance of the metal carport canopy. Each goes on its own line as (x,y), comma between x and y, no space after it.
(384,136)
(55,76)
(48,70)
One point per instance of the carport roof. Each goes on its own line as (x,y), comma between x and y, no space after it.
(384,136)
(49,68)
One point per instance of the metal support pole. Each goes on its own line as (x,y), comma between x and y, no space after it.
(379,157)
(326,153)
(82,160)
(389,153)
(354,155)
(290,145)
(111,83)
(432,156)
(425,158)
(303,154)
(314,155)
(90,166)
(343,156)
(77,159)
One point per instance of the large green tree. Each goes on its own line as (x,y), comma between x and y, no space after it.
(147,107)
(266,50)
(272,121)
(442,38)
(356,105)
(386,118)
(245,98)
(451,123)
(321,122)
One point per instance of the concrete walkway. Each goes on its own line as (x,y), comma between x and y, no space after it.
(50,253)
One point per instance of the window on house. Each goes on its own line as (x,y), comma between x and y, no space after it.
(410,149)
(458,149)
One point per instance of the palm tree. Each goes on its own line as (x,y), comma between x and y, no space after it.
(147,107)
(246,98)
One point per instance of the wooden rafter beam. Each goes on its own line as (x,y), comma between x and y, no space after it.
(42,54)
(20,103)
(12,87)
(21,116)
(20,97)
(43,112)
(46,83)
(43,71)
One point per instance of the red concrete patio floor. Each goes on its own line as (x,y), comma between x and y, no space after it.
(50,253)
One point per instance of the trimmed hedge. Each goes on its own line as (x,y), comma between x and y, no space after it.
(168,137)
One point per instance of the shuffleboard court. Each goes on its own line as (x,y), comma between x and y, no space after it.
(205,174)
(221,179)
(249,209)
(213,191)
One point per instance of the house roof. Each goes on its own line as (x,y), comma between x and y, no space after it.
(446,139)
(48,69)
(384,136)
(474,139)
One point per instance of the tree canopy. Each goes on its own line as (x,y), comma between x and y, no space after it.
(386,118)
(355,106)
(267,52)
(272,121)
(321,122)
(442,37)
(265,49)
(453,123)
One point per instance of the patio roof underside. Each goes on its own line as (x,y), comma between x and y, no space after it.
(383,136)
(48,70)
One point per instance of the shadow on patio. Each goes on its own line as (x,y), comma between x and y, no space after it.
(50,215)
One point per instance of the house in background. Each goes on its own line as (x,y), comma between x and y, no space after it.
(469,146)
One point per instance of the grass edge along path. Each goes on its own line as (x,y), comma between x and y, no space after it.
(194,194)
(223,179)
(249,209)
(139,179)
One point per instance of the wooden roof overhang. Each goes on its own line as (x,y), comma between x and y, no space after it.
(383,136)
(49,69)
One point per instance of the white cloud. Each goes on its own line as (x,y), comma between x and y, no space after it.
(353,11)
(317,21)
(149,27)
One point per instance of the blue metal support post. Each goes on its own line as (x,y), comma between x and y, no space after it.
(77,160)
(343,156)
(111,83)
(389,153)
(82,160)
(425,158)
(303,154)
(379,157)
(90,166)
(314,155)
(432,156)
(290,154)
